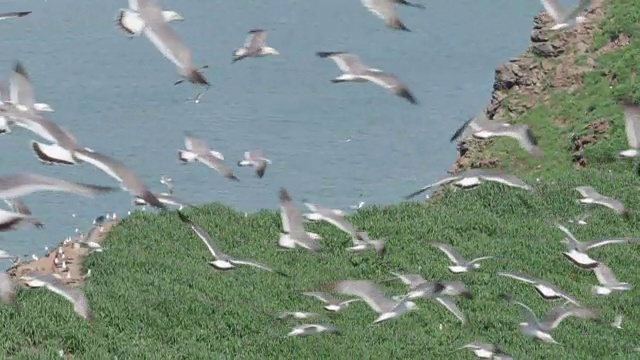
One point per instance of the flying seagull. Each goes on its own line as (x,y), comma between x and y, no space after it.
(546,290)
(333,304)
(21,93)
(362,242)
(14,14)
(521,132)
(198,149)
(164,198)
(131,23)
(541,329)
(21,184)
(461,265)
(406,3)
(333,217)
(486,351)
(632,128)
(257,160)
(591,196)
(608,281)
(18,206)
(385,10)
(442,293)
(309,329)
(564,18)
(221,260)
(472,178)
(254,46)
(162,36)
(295,315)
(168,182)
(577,252)
(472,125)
(386,307)
(117,170)
(356,71)
(52,283)
(10,221)
(293,227)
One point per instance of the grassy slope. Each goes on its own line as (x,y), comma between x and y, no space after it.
(154,296)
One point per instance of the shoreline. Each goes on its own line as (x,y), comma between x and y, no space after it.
(74,255)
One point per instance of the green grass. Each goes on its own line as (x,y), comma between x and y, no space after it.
(154,296)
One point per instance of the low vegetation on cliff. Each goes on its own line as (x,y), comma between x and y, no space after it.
(153,294)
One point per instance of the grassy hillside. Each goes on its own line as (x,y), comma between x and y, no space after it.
(154,296)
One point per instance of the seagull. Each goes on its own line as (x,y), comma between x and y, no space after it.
(254,46)
(164,198)
(168,182)
(295,315)
(162,36)
(471,126)
(546,290)
(385,307)
(333,304)
(540,329)
(255,159)
(565,19)
(21,184)
(355,71)
(198,149)
(632,128)
(362,242)
(485,351)
(333,217)
(132,24)
(577,252)
(608,281)
(7,292)
(461,265)
(521,132)
(20,207)
(385,10)
(293,227)
(75,296)
(411,280)
(617,322)
(472,178)
(15,14)
(21,93)
(117,170)
(581,220)
(590,196)
(221,260)
(406,3)
(309,329)
(442,293)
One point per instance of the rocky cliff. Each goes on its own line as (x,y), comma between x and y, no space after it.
(555,60)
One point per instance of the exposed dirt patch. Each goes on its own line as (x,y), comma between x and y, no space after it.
(595,131)
(73,257)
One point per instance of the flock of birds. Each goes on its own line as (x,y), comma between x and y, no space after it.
(19,109)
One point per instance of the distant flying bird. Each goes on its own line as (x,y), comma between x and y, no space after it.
(608,281)
(162,36)
(386,307)
(332,303)
(545,289)
(486,351)
(332,216)
(632,128)
(362,242)
(564,18)
(591,196)
(21,93)
(198,149)
(460,264)
(294,233)
(254,46)
(15,14)
(75,296)
(356,71)
(472,178)
(257,160)
(131,23)
(385,10)
(472,125)
(521,132)
(309,329)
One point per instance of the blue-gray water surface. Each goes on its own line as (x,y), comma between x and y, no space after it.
(335,144)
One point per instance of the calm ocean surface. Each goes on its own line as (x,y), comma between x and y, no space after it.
(116,95)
